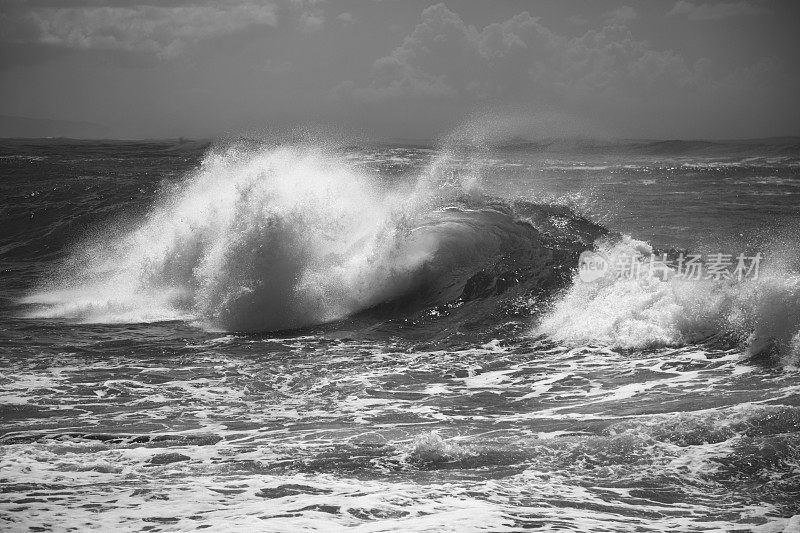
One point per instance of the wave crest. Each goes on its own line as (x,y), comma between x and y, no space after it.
(278,238)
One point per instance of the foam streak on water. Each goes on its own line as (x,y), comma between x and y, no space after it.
(480,439)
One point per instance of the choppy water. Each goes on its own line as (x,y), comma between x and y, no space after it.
(444,370)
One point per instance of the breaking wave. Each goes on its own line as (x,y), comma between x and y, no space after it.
(270,239)
(761,314)
(275,238)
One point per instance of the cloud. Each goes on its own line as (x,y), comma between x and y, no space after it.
(142,27)
(716,11)
(622,15)
(345,18)
(519,58)
(277,67)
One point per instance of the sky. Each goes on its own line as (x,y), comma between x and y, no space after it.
(405,68)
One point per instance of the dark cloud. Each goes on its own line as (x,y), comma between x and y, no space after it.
(606,72)
(161,29)
(345,18)
(444,57)
(716,10)
(405,69)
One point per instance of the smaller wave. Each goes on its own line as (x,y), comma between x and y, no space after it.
(28,158)
(431,448)
(775,148)
(579,167)
(762,314)
(430,451)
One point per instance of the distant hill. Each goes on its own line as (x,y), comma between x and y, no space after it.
(24,127)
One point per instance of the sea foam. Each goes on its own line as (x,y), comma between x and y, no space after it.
(762,314)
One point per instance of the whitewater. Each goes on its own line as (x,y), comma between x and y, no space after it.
(317,336)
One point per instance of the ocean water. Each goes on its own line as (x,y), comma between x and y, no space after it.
(292,337)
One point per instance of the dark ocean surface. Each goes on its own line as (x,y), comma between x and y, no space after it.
(246,336)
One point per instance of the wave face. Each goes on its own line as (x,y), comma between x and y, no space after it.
(266,239)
